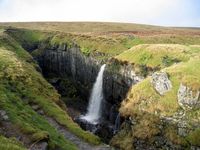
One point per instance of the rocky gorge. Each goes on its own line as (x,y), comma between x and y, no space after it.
(149,110)
(61,61)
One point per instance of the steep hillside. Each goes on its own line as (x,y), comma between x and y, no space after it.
(27,99)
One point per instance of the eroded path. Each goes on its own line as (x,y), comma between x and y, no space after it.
(82,145)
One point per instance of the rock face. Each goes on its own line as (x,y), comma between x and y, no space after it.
(40,146)
(65,61)
(69,62)
(161,82)
(188,98)
(116,84)
(3,115)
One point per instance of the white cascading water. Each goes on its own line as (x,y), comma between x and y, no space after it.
(94,108)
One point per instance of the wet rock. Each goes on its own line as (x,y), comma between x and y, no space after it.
(61,61)
(35,107)
(40,146)
(41,112)
(161,82)
(187,98)
(3,115)
(117,124)
(102,128)
(82,145)
(62,47)
(117,81)
(113,114)
(194,148)
(84,124)
(105,130)
(53,80)
(182,128)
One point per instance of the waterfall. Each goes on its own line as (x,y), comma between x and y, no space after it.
(94,108)
(117,124)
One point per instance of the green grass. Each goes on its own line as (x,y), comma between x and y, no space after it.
(21,85)
(194,138)
(9,43)
(144,33)
(109,42)
(147,58)
(10,144)
(151,48)
(89,44)
(155,55)
(185,38)
(143,94)
(14,89)
(142,99)
(83,26)
(27,38)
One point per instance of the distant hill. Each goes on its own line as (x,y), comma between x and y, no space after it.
(95,27)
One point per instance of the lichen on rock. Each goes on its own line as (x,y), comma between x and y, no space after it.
(187,98)
(3,115)
(161,82)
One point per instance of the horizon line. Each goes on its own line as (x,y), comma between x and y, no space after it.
(117,22)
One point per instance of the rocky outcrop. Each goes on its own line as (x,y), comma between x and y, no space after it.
(69,62)
(161,82)
(39,146)
(116,85)
(62,60)
(187,98)
(3,115)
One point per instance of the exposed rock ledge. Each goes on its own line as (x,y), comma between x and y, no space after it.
(187,98)
(161,82)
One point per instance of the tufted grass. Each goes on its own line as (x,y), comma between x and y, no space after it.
(144,96)
(143,99)
(155,55)
(21,86)
(10,143)
(13,89)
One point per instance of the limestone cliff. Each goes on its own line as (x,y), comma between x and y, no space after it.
(69,62)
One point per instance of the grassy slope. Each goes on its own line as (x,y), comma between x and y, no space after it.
(154,57)
(21,86)
(144,95)
(89,44)
(181,65)
(11,144)
(83,26)
(112,38)
(96,27)
(143,99)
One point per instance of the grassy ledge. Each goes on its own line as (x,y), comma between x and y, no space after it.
(10,143)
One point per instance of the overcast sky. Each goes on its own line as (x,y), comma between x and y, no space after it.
(156,12)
